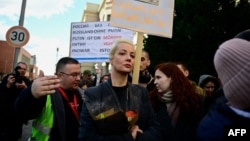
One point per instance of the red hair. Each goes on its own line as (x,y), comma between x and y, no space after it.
(183,91)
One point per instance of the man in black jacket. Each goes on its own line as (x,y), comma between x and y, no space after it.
(8,95)
(21,80)
(54,103)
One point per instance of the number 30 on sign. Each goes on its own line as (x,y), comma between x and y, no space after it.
(17,36)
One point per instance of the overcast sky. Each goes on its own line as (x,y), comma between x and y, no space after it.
(48,22)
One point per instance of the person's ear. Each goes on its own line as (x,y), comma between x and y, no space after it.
(186,73)
(148,64)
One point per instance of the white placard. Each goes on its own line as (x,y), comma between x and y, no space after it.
(92,41)
(147,16)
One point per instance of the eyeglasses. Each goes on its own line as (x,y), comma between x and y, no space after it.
(209,87)
(143,59)
(24,69)
(74,75)
(11,77)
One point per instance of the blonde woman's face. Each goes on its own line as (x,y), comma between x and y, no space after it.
(124,58)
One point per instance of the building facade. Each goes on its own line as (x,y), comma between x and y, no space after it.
(93,13)
(7,59)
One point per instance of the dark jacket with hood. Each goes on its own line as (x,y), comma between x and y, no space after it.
(9,129)
(216,124)
(65,126)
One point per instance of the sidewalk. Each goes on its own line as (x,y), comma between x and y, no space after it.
(26,131)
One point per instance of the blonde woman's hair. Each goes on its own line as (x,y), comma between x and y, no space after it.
(115,45)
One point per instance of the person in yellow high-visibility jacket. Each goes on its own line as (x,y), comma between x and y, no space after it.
(54,102)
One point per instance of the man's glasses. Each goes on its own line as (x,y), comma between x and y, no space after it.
(74,75)
(11,77)
(143,59)
(24,69)
(209,87)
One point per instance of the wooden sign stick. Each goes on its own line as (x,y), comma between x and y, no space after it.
(139,46)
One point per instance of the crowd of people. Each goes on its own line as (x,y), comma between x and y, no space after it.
(165,105)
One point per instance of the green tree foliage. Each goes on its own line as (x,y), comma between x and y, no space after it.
(199,27)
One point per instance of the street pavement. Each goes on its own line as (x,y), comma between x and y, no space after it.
(26,131)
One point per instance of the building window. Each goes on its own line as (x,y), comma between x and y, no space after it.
(31,70)
(108,17)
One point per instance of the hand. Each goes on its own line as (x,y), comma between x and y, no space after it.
(44,85)
(134,129)
(21,85)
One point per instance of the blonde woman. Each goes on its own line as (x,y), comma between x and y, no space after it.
(116,109)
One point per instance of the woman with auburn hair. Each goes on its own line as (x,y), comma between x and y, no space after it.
(177,106)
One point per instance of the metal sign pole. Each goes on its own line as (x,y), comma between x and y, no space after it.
(17,49)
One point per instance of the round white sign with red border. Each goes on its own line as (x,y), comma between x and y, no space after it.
(17,36)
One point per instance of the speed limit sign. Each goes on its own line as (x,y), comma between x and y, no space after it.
(17,36)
